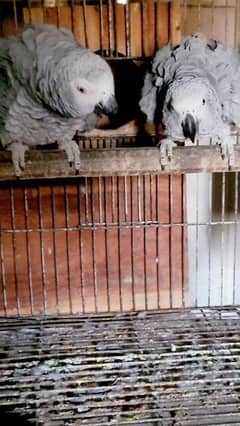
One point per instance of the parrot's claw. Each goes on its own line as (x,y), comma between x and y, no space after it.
(227,151)
(166,151)
(18,156)
(73,153)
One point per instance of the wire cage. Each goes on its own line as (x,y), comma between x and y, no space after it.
(120,287)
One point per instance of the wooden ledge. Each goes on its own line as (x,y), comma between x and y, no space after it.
(118,162)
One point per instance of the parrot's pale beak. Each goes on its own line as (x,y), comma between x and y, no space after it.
(189,127)
(108,107)
(111,106)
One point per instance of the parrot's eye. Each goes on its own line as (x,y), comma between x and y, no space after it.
(81,89)
(203,101)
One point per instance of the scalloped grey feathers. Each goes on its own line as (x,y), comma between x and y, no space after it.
(50,86)
(200,78)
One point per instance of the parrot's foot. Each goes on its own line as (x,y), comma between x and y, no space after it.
(227,151)
(18,156)
(73,153)
(166,151)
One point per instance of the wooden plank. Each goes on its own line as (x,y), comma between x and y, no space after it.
(93,27)
(51,15)
(33,15)
(148,30)
(78,24)
(120,27)
(118,162)
(175,22)
(218,23)
(162,20)
(135,29)
(65,17)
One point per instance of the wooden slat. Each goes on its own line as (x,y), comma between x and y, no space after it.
(33,15)
(118,161)
(162,19)
(175,22)
(148,28)
(120,29)
(135,29)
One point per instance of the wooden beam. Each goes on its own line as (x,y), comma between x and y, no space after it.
(175,22)
(118,162)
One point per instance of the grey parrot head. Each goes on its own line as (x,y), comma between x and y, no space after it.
(191,109)
(80,83)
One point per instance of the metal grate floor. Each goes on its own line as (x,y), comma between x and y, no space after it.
(169,368)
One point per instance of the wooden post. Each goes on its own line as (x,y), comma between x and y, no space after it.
(175,22)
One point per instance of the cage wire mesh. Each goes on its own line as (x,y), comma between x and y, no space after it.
(121,244)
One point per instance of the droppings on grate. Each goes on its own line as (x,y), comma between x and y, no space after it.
(171,368)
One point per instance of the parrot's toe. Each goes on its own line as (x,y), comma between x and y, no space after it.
(227,151)
(18,157)
(73,153)
(166,151)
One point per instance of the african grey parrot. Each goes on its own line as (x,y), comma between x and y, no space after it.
(50,86)
(194,88)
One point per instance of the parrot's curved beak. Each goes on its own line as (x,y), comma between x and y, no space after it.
(108,107)
(189,127)
(111,106)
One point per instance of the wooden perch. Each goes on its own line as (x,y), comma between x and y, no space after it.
(118,161)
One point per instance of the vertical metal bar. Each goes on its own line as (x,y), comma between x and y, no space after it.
(13,225)
(43,265)
(58,13)
(212,15)
(209,228)
(157,240)
(142,217)
(119,247)
(71,4)
(142,28)
(156,47)
(236,191)
(184,15)
(105,180)
(15,15)
(44,10)
(101,24)
(29,266)
(199,15)
(170,240)
(3,273)
(144,239)
(126,198)
(183,244)
(140,213)
(95,279)
(113,197)
(66,207)
(110,26)
(127,24)
(29,10)
(197,241)
(226,20)
(85,22)
(132,244)
(100,203)
(53,208)
(223,192)
(86,201)
(81,250)
(237,24)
